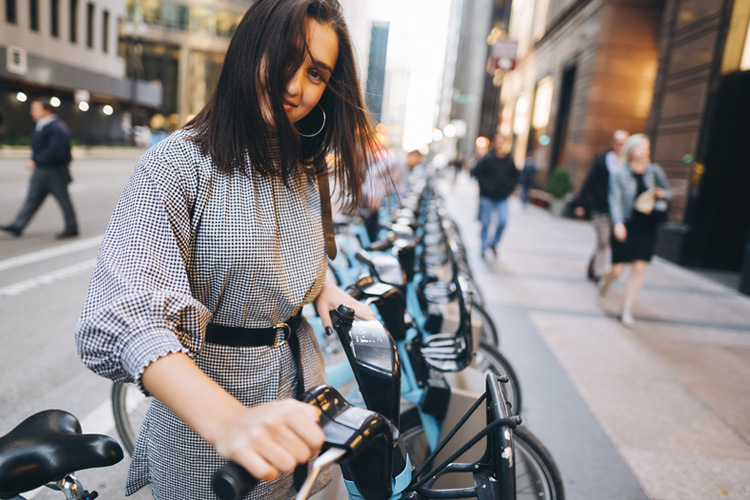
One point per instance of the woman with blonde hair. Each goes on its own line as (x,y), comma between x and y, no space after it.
(633,232)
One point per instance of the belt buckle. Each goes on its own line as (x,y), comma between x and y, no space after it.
(279,326)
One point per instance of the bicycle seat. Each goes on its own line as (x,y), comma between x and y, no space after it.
(47,446)
(452,351)
(438,292)
(386,268)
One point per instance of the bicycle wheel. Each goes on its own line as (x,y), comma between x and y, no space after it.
(489,331)
(537,475)
(487,358)
(129,407)
(477,297)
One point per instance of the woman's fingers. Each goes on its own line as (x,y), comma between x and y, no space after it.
(255,464)
(332,296)
(273,438)
(361,310)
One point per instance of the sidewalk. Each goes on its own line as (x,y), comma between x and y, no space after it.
(78,152)
(661,411)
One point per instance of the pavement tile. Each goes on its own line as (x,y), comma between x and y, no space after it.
(596,346)
(731,403)
(700,477)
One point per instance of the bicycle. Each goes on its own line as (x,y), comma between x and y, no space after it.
(373,447)
(46,449)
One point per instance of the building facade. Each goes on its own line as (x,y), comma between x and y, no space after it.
(66,49)
(181,44)
(585,68)
(699,124)
(674,69)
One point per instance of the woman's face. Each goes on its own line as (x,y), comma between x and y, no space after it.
(304,90)
(640,151)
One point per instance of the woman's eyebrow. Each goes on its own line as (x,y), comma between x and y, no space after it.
(324,66)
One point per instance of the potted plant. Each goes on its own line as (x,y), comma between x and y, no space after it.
(559,187)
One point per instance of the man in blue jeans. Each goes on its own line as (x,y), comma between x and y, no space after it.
(497,176)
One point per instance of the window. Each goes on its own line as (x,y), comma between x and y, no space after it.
(34,15)
(105,31)
(73,20)
(54,17)
(10,11)
(90,25)
(745,61)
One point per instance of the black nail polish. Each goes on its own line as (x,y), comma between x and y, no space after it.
(329,331)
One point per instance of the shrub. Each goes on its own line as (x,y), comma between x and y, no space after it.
(559,182)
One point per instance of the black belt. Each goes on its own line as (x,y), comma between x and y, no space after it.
(253,337)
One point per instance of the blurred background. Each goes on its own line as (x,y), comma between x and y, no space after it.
(556,76)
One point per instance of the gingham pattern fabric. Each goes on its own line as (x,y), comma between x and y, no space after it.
(188,245)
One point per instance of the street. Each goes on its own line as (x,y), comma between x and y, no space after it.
(43,283)
(660,411)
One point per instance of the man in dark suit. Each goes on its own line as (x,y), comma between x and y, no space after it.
(50,166)
(594,200)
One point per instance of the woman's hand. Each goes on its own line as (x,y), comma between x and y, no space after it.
(265,439)
(621,233)
(658,192)
(271,438)
(331,297)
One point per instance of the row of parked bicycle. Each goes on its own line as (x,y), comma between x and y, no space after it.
(400,411)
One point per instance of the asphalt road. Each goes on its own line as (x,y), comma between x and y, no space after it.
(43,283)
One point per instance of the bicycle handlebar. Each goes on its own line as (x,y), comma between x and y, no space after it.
(354,433)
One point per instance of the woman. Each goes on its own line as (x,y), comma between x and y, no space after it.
(214,247)
(633,232)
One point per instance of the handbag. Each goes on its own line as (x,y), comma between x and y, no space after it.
(648,204)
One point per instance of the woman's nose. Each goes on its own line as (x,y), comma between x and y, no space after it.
(294,86)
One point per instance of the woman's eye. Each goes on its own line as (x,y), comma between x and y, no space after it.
(315,75)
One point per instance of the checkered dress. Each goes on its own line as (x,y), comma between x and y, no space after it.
(188,245)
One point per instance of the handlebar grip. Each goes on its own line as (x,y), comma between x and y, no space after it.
(379,245)
(232,482)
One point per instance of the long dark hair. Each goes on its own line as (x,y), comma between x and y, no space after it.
(265,52)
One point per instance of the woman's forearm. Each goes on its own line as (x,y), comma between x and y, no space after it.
(201,403)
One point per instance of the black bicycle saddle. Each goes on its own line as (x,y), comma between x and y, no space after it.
(47,446)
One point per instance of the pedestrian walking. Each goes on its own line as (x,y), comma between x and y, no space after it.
(497,176)
(593,200)
(457,165)
(527,179)
(50,170)
(220,237)
(634,232)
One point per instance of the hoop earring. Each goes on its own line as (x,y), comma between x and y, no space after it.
(322,125)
